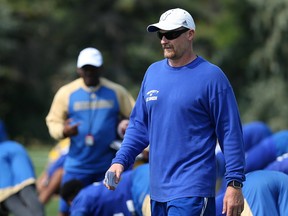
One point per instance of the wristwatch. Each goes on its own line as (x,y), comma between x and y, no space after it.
(236,184)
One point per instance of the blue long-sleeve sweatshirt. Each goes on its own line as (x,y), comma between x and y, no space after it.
(181,112)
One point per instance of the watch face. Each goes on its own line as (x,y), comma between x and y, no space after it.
(236,184)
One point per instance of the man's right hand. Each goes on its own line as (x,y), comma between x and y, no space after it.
(117,169)
(70,130)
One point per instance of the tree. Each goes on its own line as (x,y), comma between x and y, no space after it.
(40,42)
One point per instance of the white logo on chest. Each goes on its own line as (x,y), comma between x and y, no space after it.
(152,95)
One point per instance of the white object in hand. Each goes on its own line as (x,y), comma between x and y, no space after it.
(110,179)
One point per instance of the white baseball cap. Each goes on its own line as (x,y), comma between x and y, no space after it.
(173,19)
(90,56)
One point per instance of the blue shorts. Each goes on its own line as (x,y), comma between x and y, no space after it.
(86,180)
(188,206)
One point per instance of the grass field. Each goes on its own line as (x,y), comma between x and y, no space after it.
(39,157)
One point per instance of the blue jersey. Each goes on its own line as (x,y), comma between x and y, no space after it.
(281,142)
(98,111)
(265,193)
(140,187)
(96,199)
(254,132)
(17,170)
(269,197)
(267,151)
(281,164)
(55,165)
(181,112)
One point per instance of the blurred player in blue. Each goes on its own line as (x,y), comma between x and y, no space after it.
(254,132)
(17,181)
(267,151)
(49,182)
(95,199)
(280,164)
(265,193)
(269,154)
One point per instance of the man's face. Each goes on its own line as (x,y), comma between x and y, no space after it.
(90,74)
(174,48)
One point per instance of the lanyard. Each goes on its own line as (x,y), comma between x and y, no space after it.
(93,106)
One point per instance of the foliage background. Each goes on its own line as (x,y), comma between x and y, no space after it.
(40,42)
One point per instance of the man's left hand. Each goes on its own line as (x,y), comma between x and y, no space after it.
(233,203)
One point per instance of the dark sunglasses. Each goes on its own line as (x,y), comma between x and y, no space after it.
(171,35)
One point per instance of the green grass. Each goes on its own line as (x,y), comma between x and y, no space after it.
(39,156)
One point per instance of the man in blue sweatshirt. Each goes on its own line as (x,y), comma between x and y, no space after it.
(184,106)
